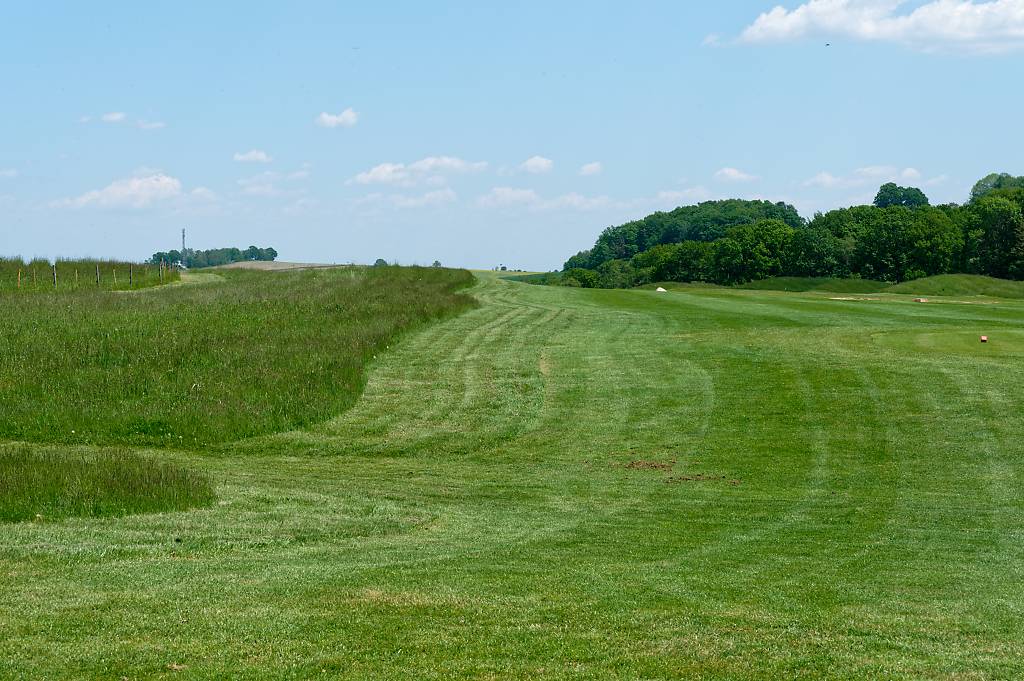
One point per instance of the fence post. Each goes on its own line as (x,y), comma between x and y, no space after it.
(97,275)
(54,276)
(131,276)
(19,277)
(115,276)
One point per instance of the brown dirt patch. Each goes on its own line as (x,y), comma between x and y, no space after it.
(640,465)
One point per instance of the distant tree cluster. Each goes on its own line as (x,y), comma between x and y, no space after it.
(216,256)
(897,238)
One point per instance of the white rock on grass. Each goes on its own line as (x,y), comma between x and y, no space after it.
(660,290)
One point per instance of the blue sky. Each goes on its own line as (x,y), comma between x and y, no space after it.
(478,135)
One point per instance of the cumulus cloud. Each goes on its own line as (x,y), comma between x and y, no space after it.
(253,156)
(537,165)
(594,168)
(430,170)
(113,117)
(500,197)
(969,25)
(133,192)
(679,197)
(826,180)
(268,183)
(507,196)
(867,175)
(434,198)
(734,175)
(345,119)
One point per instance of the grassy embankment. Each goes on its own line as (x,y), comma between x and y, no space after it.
(17,275)
(941,285)
(199,365)
(183,366)
(567,484)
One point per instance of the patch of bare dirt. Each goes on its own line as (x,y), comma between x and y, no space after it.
(640,465)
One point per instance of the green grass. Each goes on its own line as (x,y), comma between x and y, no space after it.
(941,285)
(583,484)
(961,285)
(42,485)
(18,276)
(195,365)
(824,284)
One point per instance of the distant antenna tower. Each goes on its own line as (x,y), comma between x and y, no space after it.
(183,240)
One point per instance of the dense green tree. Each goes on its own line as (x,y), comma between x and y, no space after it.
(1002,230)
(993,182)
(817,252)
(579,276)
(707,221)
(892,195)
(899,238)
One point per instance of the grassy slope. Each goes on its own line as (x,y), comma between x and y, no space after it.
(941,285)
(475,514)
(961,285)
(194,365)
(824,284)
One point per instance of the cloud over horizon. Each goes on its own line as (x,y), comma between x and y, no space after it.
(991,26)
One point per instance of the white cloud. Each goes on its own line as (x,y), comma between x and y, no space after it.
(508,196)
(594,168)
(825,180)
(134,192)
(576,201)
(345,119)
(150,125)
(864,176)
(968,25)
(253,156)
(537,165)
(734,175)
(113,117)
(384,173)
(8,173)
(203,194)
(428,170)
(434,198)
(681,197)
(268,182)
(433,164)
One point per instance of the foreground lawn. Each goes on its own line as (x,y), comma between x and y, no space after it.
(565,484)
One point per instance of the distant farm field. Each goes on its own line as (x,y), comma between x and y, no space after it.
(554,484)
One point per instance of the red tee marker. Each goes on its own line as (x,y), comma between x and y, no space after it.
(984,339)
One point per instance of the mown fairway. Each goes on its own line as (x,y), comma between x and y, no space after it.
(565,484)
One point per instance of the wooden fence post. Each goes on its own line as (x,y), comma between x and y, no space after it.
(54,276)
(19,277)
(97,275)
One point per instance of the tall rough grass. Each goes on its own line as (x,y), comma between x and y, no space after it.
(47,484)
(17,275)
(198,365)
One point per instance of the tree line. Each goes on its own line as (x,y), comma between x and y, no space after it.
(213,257)
(900,237)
